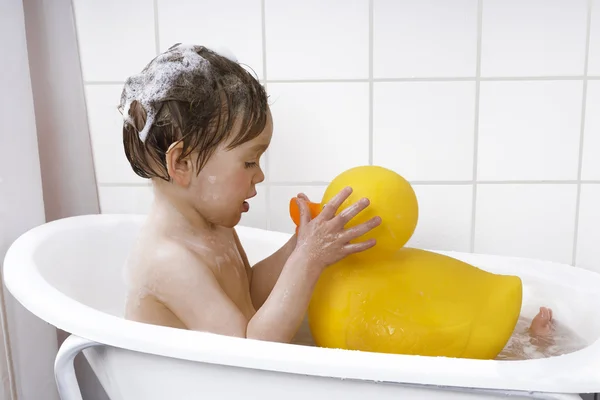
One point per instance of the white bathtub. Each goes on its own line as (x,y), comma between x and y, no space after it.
(68,273)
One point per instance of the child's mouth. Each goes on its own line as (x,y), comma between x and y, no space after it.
(245,206)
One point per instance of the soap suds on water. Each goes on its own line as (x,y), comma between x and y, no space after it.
(521,346)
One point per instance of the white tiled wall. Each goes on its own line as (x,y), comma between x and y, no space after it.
(481,104)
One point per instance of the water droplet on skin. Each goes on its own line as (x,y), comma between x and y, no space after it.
(212,179)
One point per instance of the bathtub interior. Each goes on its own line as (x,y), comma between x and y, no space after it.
(85,263)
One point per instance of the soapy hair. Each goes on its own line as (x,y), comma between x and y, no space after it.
(190,94)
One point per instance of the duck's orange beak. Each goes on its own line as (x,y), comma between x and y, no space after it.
(315,209)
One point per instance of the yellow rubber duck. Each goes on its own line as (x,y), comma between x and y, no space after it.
(396,299)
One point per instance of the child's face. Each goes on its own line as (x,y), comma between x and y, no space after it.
(221,190)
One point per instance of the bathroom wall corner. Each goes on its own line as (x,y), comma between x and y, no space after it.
(65,149)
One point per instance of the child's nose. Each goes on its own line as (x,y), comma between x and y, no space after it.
(260,176)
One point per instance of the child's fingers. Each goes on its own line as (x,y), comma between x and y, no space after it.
(352,211)
(361,229)
(303,196)
(331,207)
(351,248)
(304,212)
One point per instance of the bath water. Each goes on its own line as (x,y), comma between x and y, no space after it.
(522,346)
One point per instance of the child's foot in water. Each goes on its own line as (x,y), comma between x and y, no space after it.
(542,324)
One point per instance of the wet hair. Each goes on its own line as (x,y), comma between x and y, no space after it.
(193,95)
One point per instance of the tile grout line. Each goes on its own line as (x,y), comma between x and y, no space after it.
(156,35)
(582,132)
(416,183)
(371,28)
(267,217)
(100,83)
(125,184)
(476,123)
(417,79)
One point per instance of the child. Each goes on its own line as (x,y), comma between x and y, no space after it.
(196,124)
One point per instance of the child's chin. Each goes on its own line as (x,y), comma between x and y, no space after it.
(231,223)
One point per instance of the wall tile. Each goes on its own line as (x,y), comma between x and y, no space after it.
(315,39)
(529,130)
(443,225)
(279,204)
(535,221)
(257,216)
(233,24)
(588,250)
(591,141)
(594,47)
(320,130)
(425,130)
(533,37)
(125,199)
(116,38)
(106,131)
(424,38)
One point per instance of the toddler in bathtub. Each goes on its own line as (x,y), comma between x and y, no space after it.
(197,124)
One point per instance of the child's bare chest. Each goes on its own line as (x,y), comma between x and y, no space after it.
(230,272)
(229,269)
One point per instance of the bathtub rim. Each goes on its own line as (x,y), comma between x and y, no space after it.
(92,324)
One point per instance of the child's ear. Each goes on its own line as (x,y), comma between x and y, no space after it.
(180,169)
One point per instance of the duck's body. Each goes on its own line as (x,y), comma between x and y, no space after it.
(416,302)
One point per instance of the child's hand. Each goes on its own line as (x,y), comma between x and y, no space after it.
(303,196)
(324,240)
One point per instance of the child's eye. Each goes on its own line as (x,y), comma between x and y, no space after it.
(250,164)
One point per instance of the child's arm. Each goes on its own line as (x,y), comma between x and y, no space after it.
(264,274)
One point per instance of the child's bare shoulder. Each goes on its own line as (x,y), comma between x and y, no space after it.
(171,266)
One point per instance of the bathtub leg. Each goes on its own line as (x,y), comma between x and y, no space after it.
(64,369)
